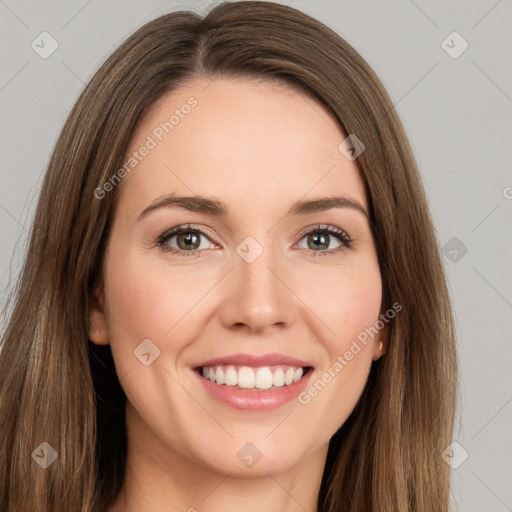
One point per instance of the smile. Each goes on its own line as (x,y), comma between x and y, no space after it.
(255,379)
(246,382)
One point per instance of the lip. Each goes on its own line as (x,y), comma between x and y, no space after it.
(254,360)
(248,400)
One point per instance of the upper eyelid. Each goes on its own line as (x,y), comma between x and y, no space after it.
(322,227)
(203,230)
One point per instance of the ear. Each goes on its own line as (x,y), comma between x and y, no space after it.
(98,325)
(381,341)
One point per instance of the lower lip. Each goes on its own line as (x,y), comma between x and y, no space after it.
(255,400)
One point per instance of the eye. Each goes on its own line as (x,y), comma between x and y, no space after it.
(325,240)
(185,240)
(190,241)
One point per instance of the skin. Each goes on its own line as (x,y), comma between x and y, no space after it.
(257,147)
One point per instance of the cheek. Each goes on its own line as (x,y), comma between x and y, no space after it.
(148,299)
(358,307)
(347,300)
(349,306)
(357,311)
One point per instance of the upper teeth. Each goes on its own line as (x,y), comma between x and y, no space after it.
(263,377)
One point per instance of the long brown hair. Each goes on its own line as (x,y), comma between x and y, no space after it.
(59,388)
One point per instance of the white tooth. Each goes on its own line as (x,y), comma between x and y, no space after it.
(264,378)
(211,374)
(230,376)
(245,377)
(298,374)
(278,378)
(288,376)
(205,372)
(219,375)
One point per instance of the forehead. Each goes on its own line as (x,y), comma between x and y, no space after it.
(246,142)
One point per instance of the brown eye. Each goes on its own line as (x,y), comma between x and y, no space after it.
(318,241)
(182,240)
(326,240)
(188,240)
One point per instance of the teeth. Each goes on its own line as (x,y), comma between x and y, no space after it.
(219,376)
(279,378)
(288,376)
(230,376)
(264,378)
(245,377)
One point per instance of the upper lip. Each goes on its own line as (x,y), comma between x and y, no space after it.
(254,360)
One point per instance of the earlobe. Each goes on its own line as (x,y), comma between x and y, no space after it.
(98,325)
(378,349)
(380,343)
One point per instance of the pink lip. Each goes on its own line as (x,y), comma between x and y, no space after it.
(254,400)
(249,400)
(254,360)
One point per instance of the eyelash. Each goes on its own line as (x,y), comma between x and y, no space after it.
(340,235)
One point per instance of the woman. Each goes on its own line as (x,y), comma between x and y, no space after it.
(233,289)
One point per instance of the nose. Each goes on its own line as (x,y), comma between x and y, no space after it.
(257,297)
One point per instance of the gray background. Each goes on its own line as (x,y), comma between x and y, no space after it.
(457,112)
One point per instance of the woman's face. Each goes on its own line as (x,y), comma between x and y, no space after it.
(253,287)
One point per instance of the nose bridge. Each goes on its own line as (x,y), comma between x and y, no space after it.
(258,298)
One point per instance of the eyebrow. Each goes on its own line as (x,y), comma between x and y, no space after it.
(217,208)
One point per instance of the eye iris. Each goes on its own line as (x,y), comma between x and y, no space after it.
(188,240)
(320,241)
